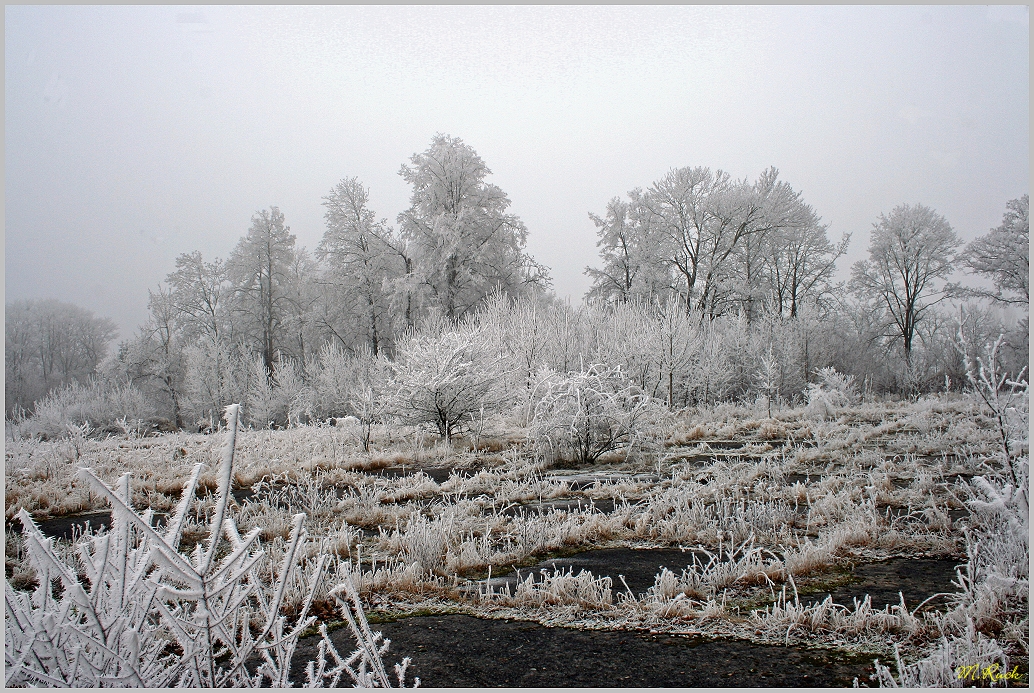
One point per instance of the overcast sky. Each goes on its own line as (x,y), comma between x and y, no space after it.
(134,134)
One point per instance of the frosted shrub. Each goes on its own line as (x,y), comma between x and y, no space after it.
(1006,398)
(261,401)
(217,373)
(281,398)
(445,380)
(294,397)
(354,386)
(150,614)
(833,391)
(97,405)
(590,413)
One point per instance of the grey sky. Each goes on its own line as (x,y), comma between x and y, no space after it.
(134,134)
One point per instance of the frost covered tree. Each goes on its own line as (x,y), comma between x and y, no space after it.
(260,270)
(631,269)
(303,335)
(362,254)
(446,379)
(1003,256)
(795,258)
(464,243)
(154,359)
(800,262)
(47,344)
(781,254)
(713,244)
(686,208)
(910,250)
(200,294)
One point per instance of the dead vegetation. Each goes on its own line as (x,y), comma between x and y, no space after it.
(766,504)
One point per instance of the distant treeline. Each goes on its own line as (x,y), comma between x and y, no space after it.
(708,288)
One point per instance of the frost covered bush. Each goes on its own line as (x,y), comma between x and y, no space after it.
(94,406)
(146,611)
(1006,398)
(589,413)
(833,391)
(445,380)
(217,374)
(281,398)
(355,386)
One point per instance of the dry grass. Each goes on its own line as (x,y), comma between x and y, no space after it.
(770,499)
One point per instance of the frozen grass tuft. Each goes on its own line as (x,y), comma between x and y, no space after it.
(145,614)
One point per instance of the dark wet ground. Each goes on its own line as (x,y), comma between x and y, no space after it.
(639,566)
(65,526)
(916,579)
(438,474)
(69,526)
(464,651)
(579,481)
(805,479)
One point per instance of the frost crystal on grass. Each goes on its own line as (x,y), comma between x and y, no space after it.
(142,612)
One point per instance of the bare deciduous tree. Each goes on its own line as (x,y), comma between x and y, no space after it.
(909,251)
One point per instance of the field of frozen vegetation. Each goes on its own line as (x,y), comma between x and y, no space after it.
(405,436)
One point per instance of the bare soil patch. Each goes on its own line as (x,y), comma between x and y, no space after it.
(464,651)
(917,579)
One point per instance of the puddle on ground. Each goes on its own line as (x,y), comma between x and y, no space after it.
(465,651)
(639,566)
(68,527)
(916,578)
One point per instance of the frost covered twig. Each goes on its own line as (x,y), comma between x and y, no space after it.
(148,614)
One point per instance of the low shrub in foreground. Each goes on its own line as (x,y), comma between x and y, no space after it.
(150,614)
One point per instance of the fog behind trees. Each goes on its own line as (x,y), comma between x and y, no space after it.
(264,200)
(136,134)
